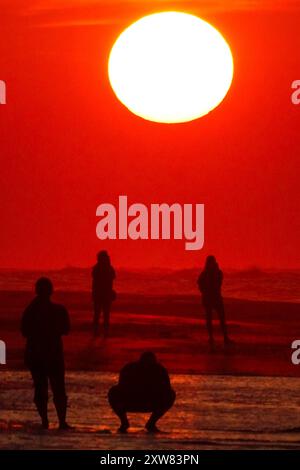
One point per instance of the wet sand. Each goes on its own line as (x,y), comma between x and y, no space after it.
(211,412)
(171,326)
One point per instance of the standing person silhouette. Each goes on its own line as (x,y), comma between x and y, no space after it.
(103,275)
(210,284)
(43,324)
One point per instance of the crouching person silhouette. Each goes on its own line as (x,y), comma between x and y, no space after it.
(144,386)
(43,324)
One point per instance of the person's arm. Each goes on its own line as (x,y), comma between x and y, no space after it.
(127,376)
(165,379)
(26,323)
(93,282)
(123,376)
(220,278)
(200,282)
(65,322)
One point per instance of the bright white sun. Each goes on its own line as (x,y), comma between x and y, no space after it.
(170,67)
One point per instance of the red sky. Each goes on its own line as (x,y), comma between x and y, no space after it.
(67,144)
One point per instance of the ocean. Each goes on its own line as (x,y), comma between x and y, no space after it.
(252,284)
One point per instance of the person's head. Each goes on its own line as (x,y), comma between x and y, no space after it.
(103,257)
(44,287)
(211,263)
(148,358)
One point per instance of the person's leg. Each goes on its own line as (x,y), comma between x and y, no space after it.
(221,313)
(60,399)
(209,325)
(159,410)
(40,382)
(106,315)
(117,404)
(97,312)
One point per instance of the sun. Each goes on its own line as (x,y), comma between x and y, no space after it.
(170,67)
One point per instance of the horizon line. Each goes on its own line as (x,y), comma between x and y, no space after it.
(151,268)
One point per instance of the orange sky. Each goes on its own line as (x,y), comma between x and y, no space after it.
(67,144)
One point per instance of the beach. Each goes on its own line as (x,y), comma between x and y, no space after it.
(210,412)
(245,396)
(171,326)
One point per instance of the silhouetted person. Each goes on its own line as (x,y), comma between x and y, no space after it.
(210,283)
(144,386)
(43,324)
(103,275)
